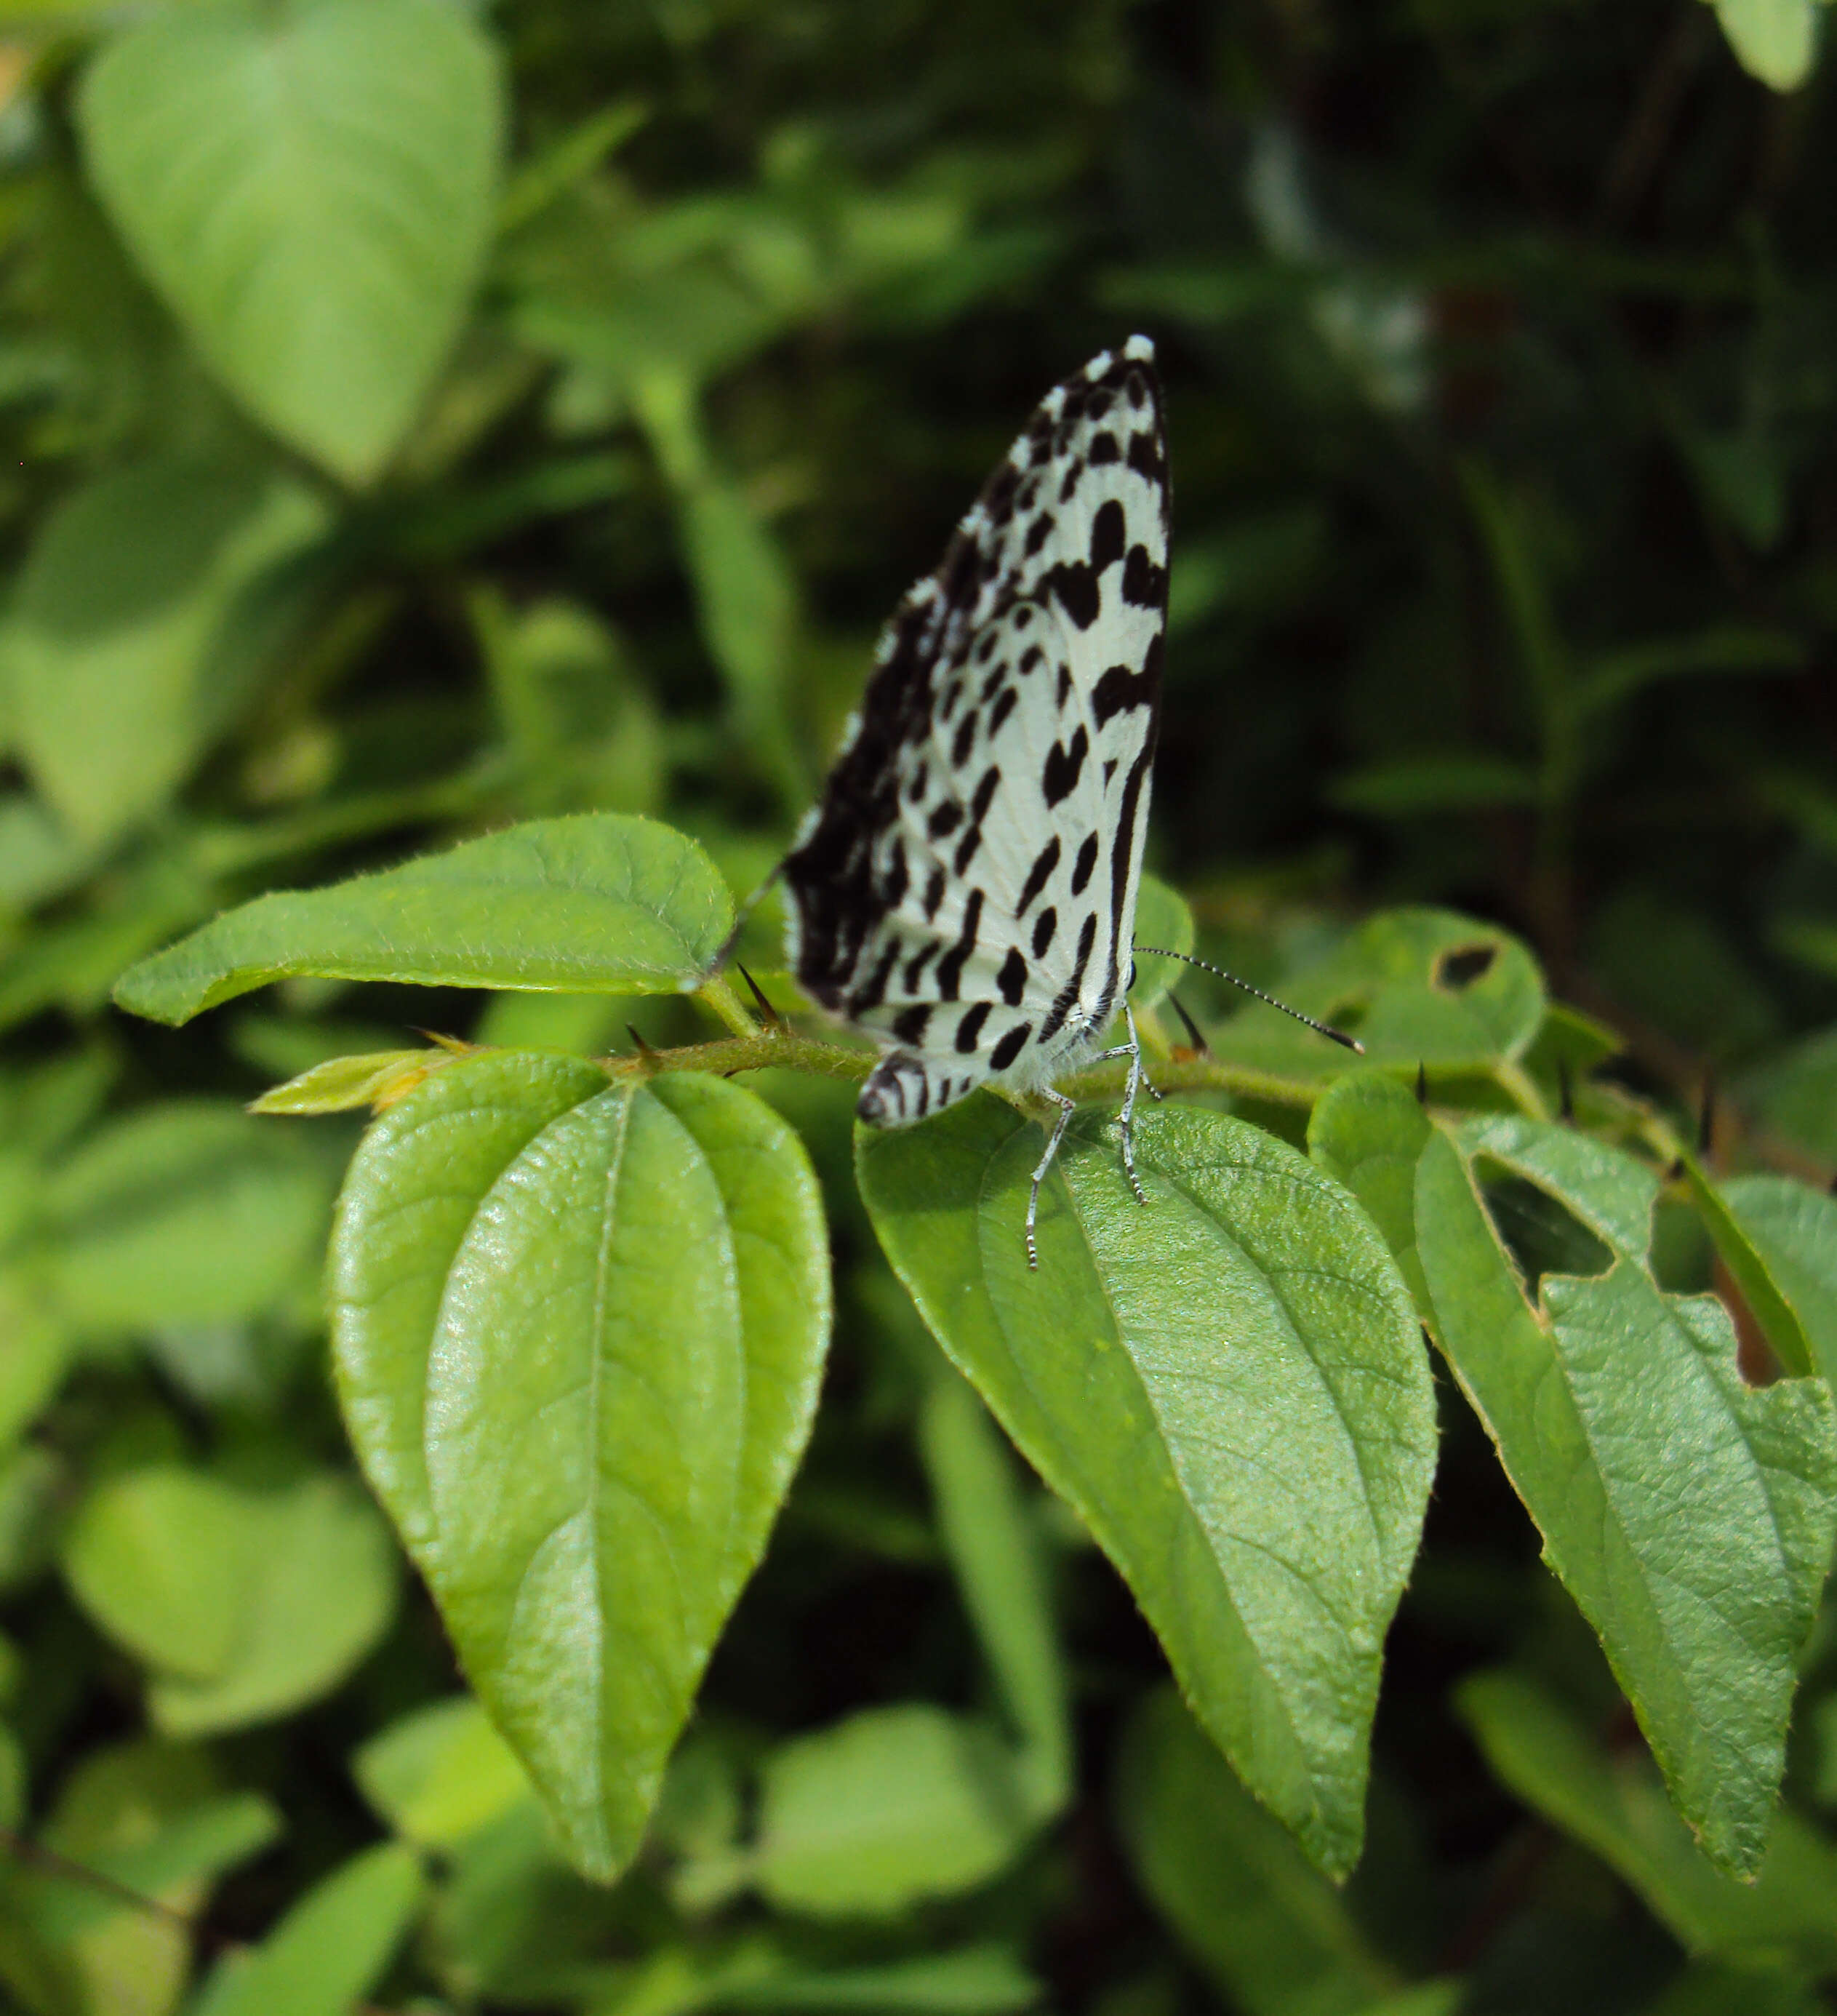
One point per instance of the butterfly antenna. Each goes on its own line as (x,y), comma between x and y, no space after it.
(1336,1035)
(741,917)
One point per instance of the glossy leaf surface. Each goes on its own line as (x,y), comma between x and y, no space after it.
(1228,1385)
(579,1332)
(599,902)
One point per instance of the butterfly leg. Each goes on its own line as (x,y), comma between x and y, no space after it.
(1067,1107)
(1126,1120)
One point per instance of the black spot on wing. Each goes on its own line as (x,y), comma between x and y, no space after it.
(1103,448)
(1121,689)
(915,966)
(1109,535)
(1086,861)
(970,1027)
(964,740)
(1004,707)
(934,894)
(1044,926)
(1038,533)
(950,967)
(944,820)
(1069,484)
(1067,998)
(1012,979)
(1076,586)
(1143,583)
(1063,763)
(1047,861)
(909,1024)
(1010,1047)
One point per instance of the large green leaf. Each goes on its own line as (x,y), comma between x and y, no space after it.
(1226,1383)
(122,649)
(1691,1516)
(312,186)
(579,1333)
(1271,1931)
(601,902)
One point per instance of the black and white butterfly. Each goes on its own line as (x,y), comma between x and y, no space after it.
(965,890)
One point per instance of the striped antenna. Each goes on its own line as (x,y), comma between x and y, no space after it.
(1336,1035)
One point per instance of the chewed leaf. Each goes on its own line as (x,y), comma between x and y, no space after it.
(579,1330)
(1416,987)
(599,903)
(1691,1516)
(1229,1386)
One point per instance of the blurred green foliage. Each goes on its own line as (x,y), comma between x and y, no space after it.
(422,415)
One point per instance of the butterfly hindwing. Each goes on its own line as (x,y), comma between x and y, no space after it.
(966,887)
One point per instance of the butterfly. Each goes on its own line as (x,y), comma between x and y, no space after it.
(964,889)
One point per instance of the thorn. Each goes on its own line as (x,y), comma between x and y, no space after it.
(1201,1047)
(1707,1116)
(1422,1084)
(1675,1173)
(643,1048)
(774,1019)
(457,1045)
(1565,1088)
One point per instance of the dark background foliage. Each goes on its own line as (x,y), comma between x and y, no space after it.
(1500,342)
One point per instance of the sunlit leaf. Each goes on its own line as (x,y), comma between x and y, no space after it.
(1228,1384)
(312,188)
(598,902)
(581,1381)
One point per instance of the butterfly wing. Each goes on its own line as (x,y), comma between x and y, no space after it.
(965,886)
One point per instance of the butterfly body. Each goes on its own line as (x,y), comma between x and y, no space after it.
(965,889)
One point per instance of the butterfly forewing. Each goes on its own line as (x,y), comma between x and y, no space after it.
(966,887)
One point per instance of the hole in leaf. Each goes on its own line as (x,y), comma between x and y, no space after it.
(1543,1235)
(1460,966)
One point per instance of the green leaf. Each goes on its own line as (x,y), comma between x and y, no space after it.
(413,1189)
(312,188)
(321,1594)
(1415,986)
(995,1547)
(599,902)
(1690,1518)
(1271,1933)
(1774,40)
(1616,675)
(894,1804)
(160,1560)
(1613,1803)
(1793,1230)
(1227,1383)
(341,1085)
(331,1948)
(1163,918)
(1751,1268)
(439,1774)
(1367,1132)
(579,1331)
(121,646)
(186,1211)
